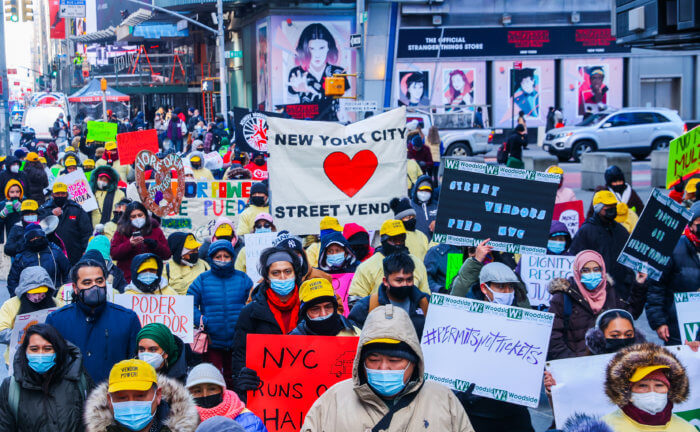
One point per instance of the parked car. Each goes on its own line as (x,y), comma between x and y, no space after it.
(632,130)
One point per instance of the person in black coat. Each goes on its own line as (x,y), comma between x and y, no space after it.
(515,145)
(38,252)
(12,165)
(274,309)
(602,234)
(29,211)
(51,385)
(682,275)
(74,224)
(37,181)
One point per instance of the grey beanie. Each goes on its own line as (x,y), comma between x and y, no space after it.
(205,373)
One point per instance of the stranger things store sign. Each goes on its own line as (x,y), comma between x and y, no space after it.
(320,169)
(649,247)
(512,207)
(497,41)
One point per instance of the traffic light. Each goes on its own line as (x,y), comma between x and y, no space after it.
(11,11)
(27,11)
(54,68)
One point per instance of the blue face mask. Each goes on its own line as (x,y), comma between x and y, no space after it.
(386,382)
(335,260)
(591,280)
(147,278)
(41,363)
(556,246)
(282,287)
(135,415)
(262,230)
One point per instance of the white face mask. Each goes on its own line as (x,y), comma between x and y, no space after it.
(650,402)
(423,196)
(101,184)
(14,169)
(153,359)
(138,222)
(502,298)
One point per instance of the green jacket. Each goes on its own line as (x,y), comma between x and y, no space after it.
(466,284)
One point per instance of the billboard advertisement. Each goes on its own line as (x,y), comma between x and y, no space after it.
(263,64)
(590,84)
(529,90)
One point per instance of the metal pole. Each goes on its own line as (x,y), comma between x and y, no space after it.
(5,85)
(104,105)
(359,28)
(223,81)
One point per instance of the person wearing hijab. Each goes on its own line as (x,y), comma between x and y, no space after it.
(157,346)
(208,389)
(578,301)
(645,381)
(186,264)
(49,385)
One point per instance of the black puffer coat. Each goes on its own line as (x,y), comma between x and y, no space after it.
(37,181)
(682,275)
(570,340)
(60,408)
(74,227)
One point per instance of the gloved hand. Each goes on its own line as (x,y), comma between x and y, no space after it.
(466,398)
(3,212)
(150,243)
(680,187)
(247,380)
(16,205)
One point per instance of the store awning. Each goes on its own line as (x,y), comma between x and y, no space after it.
(93,93)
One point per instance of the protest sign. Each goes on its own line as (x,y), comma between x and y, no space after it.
(160,197)
(213,161)
(22,323)
(570,214)
(454,263)
(295,371)
(510,340)
(349,172)
(176,312)
(255,244)
(251,129)
(580,386)
(101,131)
(341,285)
(649,247)
(683,157)
(79,189)
(688,311)
(129,144)
(204,202)
(512,207)
(537,272)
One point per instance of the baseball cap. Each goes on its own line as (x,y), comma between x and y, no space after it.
(89,163)
(38,290)
(148,264)
(392,228)
(70,161)
(331,223)
(29,205)
(110,145)
(604,197)
(196,159)
(691,187)
(59,187)
(191,243)
(131,375)
(32,157)
(643,371)
(554,169)
(315,288)
(222,231)
(263,216)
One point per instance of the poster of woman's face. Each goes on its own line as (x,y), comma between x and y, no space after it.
(525,90)
(306,50)
(263,69)
(458,86)
(415,88)
(590,85)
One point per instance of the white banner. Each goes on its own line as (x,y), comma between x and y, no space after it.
(581,386)
(79,189)
(538,270)
(176,312)
(460,334)
(349,172)
(22,323)
(688,310)
(254,245)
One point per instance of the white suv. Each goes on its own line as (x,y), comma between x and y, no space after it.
(632,130)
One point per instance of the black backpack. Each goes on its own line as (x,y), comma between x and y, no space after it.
(502,153)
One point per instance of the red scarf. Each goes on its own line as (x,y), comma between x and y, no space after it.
(286,312)
(692,237)
(642,417)
(231,406)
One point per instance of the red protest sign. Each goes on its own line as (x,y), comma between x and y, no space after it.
(295,371)
(570,214)
(130,143)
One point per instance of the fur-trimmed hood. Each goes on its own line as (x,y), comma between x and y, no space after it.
(595,340)
(584,423)
(626,361)
(183,416)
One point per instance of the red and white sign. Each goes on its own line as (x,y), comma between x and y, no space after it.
(176,312)
(319,169)
(570,214)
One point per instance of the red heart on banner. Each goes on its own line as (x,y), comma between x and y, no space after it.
(350,175)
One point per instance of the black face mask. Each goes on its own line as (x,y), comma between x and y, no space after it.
(93,296)
(60,201)
(610,214)
(37,244)
(196,166)
(259,162)
(619,188)
(360,251)
(258,201)
(330,326)
(210,401)
(615,345)
(227,238)
(192,258)
(399,292)
(117,216)
(389,249)
(410,224)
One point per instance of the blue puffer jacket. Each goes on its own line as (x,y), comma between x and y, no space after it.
(426,212)
(219,295)
(250,422)
(105,335)
(682,275)
(51,258)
